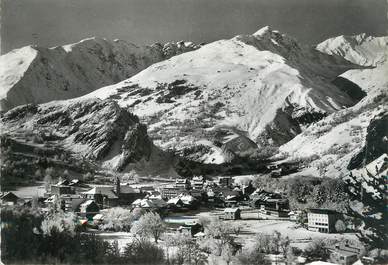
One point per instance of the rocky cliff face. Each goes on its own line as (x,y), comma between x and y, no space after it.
(376,142)
(97,130)
(37,75)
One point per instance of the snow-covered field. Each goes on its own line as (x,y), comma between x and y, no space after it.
(37,190)
(250,227)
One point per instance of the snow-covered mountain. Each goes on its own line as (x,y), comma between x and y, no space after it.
(338,142)
(259,89)
(223,101)
(36,75)
(360,49)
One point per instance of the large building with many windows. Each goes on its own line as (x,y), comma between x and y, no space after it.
(322,220)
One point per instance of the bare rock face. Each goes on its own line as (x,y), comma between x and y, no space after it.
(98,130)
(376,142)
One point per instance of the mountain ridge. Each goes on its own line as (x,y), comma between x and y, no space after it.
(35,74)
(246,82)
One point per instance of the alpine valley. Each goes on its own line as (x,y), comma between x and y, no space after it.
(230,106)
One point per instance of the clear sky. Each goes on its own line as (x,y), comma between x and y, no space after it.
(57,22)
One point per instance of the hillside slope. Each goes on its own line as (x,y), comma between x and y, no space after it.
(360,49)
(262,88)
(37,75)
(94,130)
(339,141)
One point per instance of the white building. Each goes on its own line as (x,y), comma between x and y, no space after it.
(322,220)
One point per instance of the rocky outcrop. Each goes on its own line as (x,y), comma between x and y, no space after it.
(97,130)
(376,142)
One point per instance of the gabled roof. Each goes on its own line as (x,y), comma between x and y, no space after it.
(98,216)
(63,182)
(200,234)
(103,190)
(174,200)
(9,196)
(182,181)
(187,199)
(231,210)
(87,203)
(148,203)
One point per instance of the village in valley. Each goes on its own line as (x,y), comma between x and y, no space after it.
(197,211)
(213,132)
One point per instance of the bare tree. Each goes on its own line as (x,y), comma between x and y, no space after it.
(117,219)
(149,225)
(340,226)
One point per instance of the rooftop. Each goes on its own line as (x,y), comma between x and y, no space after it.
(322,211)
(231,210)
(104,190)
(87,203)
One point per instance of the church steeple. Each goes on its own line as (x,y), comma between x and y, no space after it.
(117,186)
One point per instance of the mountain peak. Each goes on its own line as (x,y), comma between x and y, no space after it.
(263,31)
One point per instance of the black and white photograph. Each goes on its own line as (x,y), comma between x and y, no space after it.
(194,132)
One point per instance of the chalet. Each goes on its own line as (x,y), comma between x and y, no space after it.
(71,202)
(148,203)
(98,219)
(295,215)
(146,189)
(232,214)
(192,228)
(229,195)
(225,181)
(170,191)
(88,209)
(273,212)
(197,183)
(189,201)
(344,254)
(176,204)
(103,195)
(183,184)
(61,189)
(322,220)
(269,200)
(78,185)
(9,198)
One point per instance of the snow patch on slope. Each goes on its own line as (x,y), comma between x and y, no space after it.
(13,65)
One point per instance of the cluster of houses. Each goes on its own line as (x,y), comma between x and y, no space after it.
(182,195)
(185,195)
